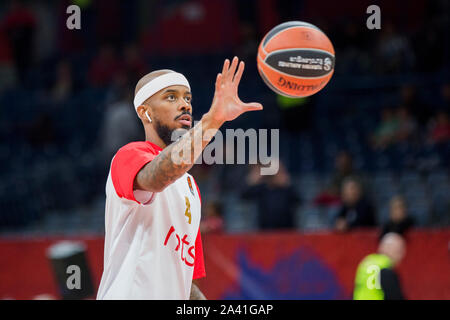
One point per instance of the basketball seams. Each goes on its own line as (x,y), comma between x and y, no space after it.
(271,86)
(299,24)
(292,49)
(263,49)
(281,31)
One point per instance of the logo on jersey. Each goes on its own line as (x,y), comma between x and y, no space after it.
(190,186)
(182,245)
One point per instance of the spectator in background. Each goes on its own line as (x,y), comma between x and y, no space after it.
(439,125)
(343,169)
(63,85)
(134,65)
(407,126)
(386,131)
(376,278)
(396,126)
(7,70)
(356,210)
(104,66)
(19,26)
(275,197)
(399,220)
(410,100)
(439,128)
(212,220)
(120,124)
(394,51)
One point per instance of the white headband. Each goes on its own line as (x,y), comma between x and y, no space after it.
(159,83)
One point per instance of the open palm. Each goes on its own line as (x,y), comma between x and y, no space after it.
(226,104)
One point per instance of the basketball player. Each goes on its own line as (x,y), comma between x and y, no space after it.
(153,248)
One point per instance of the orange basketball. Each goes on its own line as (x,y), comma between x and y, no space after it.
(296,59)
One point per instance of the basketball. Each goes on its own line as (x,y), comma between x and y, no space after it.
(296,59)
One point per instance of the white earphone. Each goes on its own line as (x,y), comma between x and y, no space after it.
(148,117)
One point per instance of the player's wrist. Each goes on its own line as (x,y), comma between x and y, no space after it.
(209,121)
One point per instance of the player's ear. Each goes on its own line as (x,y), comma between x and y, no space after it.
(144,113)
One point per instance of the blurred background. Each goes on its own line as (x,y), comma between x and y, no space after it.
(367,155)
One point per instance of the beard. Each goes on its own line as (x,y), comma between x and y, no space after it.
(169,135)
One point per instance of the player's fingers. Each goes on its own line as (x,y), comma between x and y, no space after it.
(218,81)
(238,75)
(225,68)
(253,106)
(232,70)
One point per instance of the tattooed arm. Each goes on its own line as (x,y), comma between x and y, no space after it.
(179,157)
(196,294)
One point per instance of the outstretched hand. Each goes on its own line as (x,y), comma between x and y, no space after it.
(226,104)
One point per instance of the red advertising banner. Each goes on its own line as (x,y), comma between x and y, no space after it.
(287,265)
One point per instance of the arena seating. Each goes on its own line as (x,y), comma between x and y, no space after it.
(64,178)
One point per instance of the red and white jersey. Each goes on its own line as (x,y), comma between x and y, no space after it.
(153,248)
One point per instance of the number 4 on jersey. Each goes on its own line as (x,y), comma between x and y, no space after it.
(187,213)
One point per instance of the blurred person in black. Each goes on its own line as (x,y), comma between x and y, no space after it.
(275,197)
(343,169)
(376,278)
(19,26)
(414,104)
(356,210)
(399,220)
(118,114)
